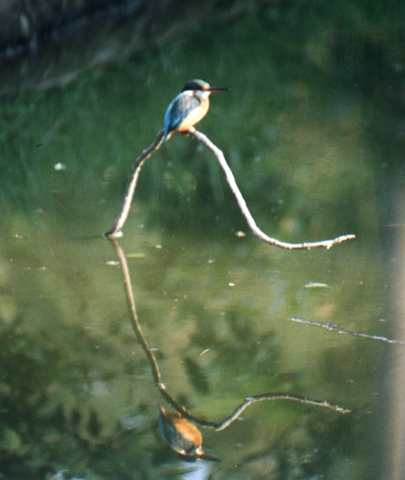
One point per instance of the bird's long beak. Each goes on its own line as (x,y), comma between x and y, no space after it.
(216,89)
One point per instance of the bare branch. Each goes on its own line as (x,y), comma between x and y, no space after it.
(230,178)
(115,230)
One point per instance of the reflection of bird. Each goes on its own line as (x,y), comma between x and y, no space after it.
(188,108)
(182,435)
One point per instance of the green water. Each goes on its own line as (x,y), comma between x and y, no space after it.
(78,399)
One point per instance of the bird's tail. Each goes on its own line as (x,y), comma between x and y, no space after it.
(167,135)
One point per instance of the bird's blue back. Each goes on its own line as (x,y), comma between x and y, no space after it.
(177,111)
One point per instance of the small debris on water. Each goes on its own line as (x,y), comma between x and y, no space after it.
(158,246)
(211,260)
(136,255)
(231,284)
(316,285)
(112,263)
(59,167)
(240,234)
(204,352)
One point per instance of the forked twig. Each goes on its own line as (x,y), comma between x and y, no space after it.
(157,376)
(115,230)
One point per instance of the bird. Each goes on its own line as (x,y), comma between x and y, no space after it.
(188,107)
(182,436)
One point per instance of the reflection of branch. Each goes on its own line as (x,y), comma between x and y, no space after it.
(115,230)
(248,401)
(334,327)
(157,376)
(222,424)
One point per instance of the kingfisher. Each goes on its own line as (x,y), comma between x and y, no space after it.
(188,107)
(182,436)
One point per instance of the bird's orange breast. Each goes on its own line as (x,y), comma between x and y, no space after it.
(188,431)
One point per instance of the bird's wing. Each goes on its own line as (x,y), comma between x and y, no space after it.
(178,109)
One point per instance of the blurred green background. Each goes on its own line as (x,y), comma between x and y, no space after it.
(313,127)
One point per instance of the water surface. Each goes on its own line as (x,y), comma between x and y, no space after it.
(226,316)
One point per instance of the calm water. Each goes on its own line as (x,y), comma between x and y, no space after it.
(226,316)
